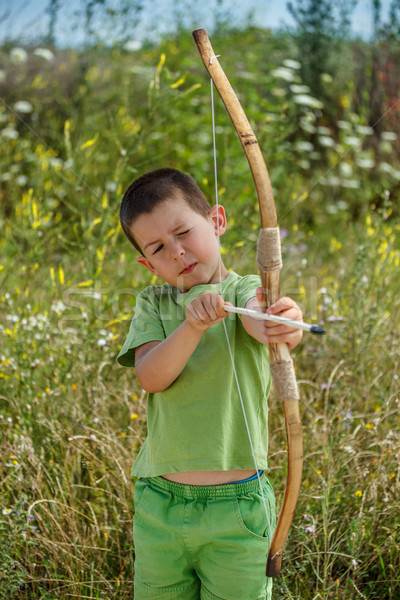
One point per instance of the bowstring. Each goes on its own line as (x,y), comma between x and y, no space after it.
(223,322)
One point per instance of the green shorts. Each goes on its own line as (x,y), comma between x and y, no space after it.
(202,542)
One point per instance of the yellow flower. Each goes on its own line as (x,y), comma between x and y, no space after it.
(134,416)
(358,493)
(369,426)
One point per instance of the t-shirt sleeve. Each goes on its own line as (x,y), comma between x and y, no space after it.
(146,326)
(247,289)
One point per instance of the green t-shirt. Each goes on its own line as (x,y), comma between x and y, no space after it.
(197,423)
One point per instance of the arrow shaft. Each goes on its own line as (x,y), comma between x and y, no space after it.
(255,314)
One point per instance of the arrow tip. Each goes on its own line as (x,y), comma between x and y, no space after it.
(317,329)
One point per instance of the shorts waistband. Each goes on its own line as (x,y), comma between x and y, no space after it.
(192,492)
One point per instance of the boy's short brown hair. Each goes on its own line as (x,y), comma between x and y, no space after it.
(154,187)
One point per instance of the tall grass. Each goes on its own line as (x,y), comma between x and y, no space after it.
(72,421)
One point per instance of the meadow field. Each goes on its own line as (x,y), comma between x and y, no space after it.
(76,126)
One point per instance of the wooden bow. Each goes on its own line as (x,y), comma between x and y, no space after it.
(269,263)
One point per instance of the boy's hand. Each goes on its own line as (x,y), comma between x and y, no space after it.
(268,332)
(205,310)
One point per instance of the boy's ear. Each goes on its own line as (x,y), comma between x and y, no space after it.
(217,215)
(143,261)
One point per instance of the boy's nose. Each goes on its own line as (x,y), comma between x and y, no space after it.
(177,251)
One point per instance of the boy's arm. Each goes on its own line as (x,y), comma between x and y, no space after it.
(158,364)
(268,332)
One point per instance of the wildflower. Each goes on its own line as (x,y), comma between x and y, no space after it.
(10,133)
(299,89)
(358,493)
(388,136)
(291,64)
(369,426)
(302,146)
(21,180)
(365,163)
(23,106)
(133,45)
(134,416)
(306,100)
(283,73)
(18,55)
(352,141)
(6,511)
(101,342)
(44,53)
(364,129)
(58,306)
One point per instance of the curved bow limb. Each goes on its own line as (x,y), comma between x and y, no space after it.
(269,263)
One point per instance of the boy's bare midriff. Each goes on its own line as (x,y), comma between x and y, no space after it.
(209,477)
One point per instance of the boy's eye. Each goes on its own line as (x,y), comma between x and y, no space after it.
(184,232)
(157,249)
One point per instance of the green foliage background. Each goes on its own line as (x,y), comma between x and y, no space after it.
(75,128)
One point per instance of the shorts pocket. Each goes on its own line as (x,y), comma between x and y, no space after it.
(252,516)
(139,493)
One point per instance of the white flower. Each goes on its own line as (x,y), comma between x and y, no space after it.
(388,136)
(326,141)
(133,45)
(111,186)
(353,141)
(346,169)
(352,184)
(21,180)
(291,64)
(6,511)
(306,100)
(58,306)
(365,163)
(283,73)
(364,129)
(18,55)
(8,132)
(344,125)
(101,342)
(299,89)
(44,53)
(302,146)
(23,106)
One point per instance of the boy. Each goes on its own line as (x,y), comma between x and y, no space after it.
(203,516)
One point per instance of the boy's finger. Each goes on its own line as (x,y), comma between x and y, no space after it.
(281,305)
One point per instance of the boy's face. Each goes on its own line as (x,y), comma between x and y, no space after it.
(179,244)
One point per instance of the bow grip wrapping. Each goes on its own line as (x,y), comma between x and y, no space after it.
(269,262)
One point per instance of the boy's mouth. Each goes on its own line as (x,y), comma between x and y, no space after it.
(188,269)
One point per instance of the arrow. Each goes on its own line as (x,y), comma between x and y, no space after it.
(255,314)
